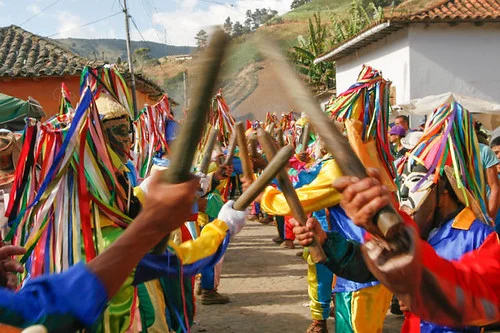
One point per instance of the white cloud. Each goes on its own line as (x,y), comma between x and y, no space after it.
(1,3)
(33,9)
(183,24)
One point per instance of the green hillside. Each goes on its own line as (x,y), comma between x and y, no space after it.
(112,49)
(304,12)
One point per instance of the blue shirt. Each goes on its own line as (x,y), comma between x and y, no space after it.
(451,244)
(62,302)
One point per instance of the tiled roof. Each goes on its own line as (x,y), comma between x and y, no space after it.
(458,11)
(447,11)
(23,54)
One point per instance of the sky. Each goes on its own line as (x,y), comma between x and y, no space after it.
(174,22)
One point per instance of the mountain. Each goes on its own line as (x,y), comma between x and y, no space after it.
(112,49)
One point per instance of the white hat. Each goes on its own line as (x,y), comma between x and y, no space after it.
(411,139)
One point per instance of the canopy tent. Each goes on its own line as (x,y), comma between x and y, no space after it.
(487,113)
(13,111)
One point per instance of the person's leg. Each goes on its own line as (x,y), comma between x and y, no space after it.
(280,225)
(369,308)
(289,235)
(319,280)
(343,312)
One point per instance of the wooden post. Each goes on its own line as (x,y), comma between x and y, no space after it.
(266,141)
(388,221)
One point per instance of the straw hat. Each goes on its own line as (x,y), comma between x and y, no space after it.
(7,147)
(109,108)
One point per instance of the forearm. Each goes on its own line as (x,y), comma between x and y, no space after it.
(345,258)
(452,293)
(493,202)
(115,264)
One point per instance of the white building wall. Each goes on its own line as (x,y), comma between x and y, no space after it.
(464,59)
(391,55)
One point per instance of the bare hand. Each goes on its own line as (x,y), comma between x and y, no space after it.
(305,235)
(362,199)
(403,307)
(168,206)
(224,171)
(10,267)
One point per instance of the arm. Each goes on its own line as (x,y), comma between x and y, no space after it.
(455,293)
(314,196)
(493,199)
(76,298)
(345,258)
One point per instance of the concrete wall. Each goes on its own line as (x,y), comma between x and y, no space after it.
(391,55)
(464,59)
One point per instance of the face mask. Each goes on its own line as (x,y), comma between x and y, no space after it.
(411,198)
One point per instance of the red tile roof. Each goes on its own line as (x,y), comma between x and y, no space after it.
(458,11)
(447,11)
(24,54)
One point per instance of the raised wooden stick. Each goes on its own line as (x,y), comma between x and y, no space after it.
(305,137)
(388,221)
(267,143)
(280,139)
(246,162)
(273,168)
(209,148)
(184,146)
(230,150)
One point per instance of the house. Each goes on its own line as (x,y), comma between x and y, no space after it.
(35,66)
(450,46)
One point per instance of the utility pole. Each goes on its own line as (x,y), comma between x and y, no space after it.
(129,55)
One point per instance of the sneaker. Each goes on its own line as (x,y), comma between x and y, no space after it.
(288,244)
(211,296)
(318,326)
(278,240)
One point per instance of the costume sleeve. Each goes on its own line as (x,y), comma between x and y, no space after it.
(453,293)
(61,302)
(189,257)
(345,258)
(314,196)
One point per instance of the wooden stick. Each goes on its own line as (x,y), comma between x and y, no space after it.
(230,150)
(253,143)
(267,143)
(387,220)
(184,146)
(246,162)
(280,139)
(209,148)
(305,137)
(273,168)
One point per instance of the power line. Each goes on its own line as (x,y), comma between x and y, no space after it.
(41,11)
(86,24)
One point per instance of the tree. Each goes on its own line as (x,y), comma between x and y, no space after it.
(298,3)
(201,39)
(309,48)
(228,25)
(238,29)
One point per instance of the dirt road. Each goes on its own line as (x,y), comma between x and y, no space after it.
(267,287)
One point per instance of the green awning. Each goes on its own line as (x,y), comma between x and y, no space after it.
(13,111)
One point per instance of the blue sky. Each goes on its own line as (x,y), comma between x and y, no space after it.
(175,22)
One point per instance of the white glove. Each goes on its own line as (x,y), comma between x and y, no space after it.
(234,219)
(204,184)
